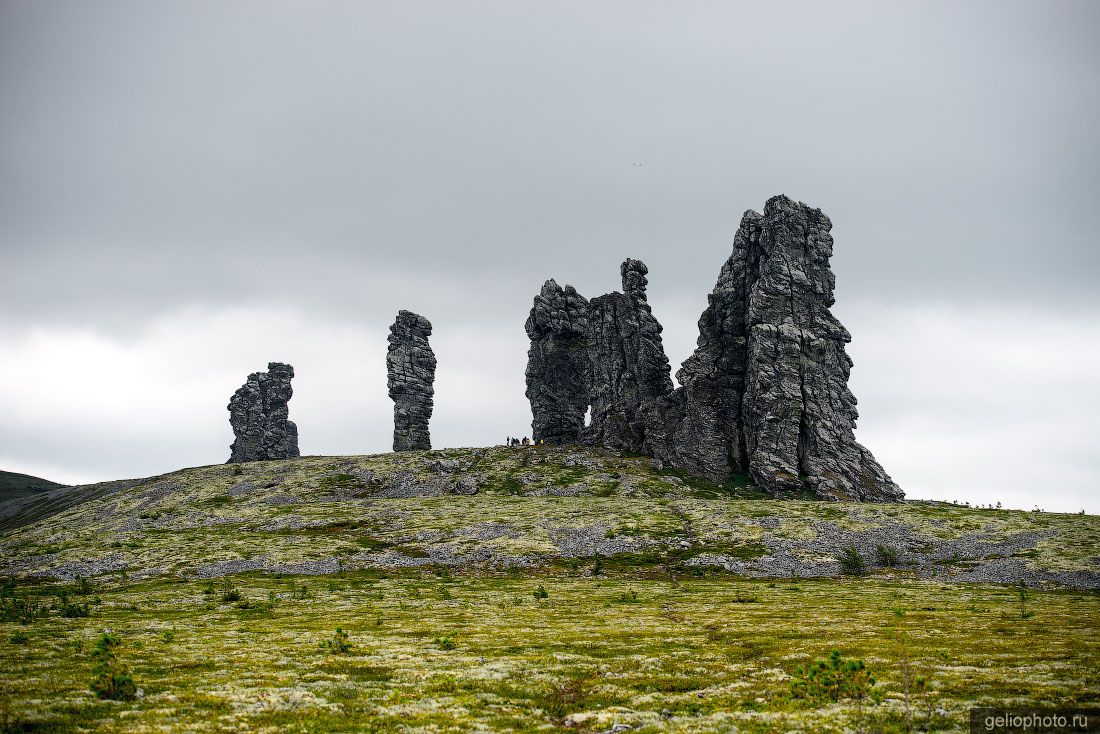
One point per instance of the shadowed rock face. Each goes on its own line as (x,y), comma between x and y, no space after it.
(698,428)
(258,413)
(766,390)
(410,370)
(557,364)
(292,451)
(627,365)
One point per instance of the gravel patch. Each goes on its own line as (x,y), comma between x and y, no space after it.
(242,489)
(88,569)
(281,499)
(592,540)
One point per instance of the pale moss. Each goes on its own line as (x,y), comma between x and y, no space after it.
(715,650)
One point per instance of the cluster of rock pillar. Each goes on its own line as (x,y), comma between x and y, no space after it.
(765,393)
(258,411)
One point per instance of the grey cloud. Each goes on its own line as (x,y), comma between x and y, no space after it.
(157,155)
(340,160)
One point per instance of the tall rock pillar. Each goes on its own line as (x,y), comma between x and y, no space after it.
(766,391)
(557,364)
(258,413)
(627,364)
(410,373)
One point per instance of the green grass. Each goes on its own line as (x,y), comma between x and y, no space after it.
(340,481)
(552,643)
(593,652)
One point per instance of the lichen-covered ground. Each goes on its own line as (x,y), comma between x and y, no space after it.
(436,652)
(527,590)
(530,507)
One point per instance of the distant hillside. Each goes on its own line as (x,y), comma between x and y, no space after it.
(25,499)
(18,485)
(533,507)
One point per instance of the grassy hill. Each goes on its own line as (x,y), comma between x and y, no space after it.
(530,589)
(18,485)
(497,508)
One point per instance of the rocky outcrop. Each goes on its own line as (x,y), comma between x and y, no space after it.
(765,392)
(410,371)
(557,364)
(627,365)
(258,413)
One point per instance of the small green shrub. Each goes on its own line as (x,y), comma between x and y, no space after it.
(540,593)
(112,679)
(445,643)
(832,679)
(230,593)
(626,597)
(1021,590)
(23,610)
(72,610)
(571,694)
(887,555)
(259,607)
(338,644)
(18,638)
(509,485)
(851,561)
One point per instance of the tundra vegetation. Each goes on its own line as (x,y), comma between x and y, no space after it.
(632,647)
(531,590)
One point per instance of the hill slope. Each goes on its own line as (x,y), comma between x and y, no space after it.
(495,508)
(13,484)
(531,589)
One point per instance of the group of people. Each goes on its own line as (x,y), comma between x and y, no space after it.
(525,441)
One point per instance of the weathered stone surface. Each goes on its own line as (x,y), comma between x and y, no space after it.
(410,370)
(766,392)
(698,428)
(798,412)
(292,451)
(258,413)
(627,365)
(557,364)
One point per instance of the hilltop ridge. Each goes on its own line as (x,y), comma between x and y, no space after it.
(489,509)
(14,484)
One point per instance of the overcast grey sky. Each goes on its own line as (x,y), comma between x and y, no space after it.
(189,190)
